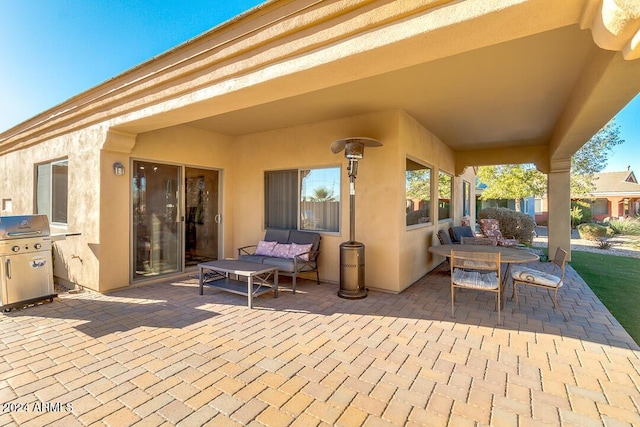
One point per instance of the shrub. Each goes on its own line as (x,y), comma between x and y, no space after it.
(580,212)
(576,216)
(628,226)
(512,224)
(592,231)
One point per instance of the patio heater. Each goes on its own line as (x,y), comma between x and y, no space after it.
(352,252)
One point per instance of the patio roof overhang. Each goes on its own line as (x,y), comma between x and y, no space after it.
(498,81)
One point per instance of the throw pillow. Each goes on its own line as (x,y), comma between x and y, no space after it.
(265,248)
(281,250)
(300,249)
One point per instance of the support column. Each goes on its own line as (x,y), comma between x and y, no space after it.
(559,191)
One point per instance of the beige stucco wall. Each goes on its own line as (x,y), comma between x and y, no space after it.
(424,147)
(395,256)
(309,147)
(100,202)
(76,258)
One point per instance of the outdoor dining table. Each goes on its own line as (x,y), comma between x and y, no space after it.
(508,255)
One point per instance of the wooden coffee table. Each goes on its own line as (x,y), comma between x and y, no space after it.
(228,274)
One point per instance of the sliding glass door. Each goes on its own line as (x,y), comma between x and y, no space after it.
(156,219)
(175,218)
(202,217)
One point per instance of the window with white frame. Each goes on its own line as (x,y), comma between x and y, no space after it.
(418,193)
(305,199)
(52,184)
(445,189)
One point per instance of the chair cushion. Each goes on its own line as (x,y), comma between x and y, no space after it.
(265,248)
(457,233)
(537,277)
(475,279)
(444,237)
(490,227)
(508,242)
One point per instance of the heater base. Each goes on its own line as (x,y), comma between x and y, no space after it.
(352,271)
(352,295)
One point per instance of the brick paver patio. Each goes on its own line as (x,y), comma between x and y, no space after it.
(163,355)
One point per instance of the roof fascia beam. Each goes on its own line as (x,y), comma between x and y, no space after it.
(536,154)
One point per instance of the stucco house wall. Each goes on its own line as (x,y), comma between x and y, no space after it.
(77,258)
(380,192)
(100,202)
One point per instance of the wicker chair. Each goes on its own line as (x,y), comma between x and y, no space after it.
(532,277)
(476,270)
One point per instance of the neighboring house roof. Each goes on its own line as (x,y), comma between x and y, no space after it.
(616,184)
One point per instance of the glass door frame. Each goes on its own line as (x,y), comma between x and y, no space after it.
(217,220)
(181,232)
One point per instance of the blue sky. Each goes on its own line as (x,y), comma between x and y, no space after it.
(52,50)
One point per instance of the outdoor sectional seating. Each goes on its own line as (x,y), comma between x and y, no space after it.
(292,251)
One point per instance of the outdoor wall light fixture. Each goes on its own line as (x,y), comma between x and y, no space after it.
(352,252)
(118,169)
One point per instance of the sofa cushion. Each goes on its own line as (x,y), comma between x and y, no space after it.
(277,235)
(283,264)
(297,249)
(288,265)
(265,248)
(258,259)
(281,250)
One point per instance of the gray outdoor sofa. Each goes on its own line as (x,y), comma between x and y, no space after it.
(301,256)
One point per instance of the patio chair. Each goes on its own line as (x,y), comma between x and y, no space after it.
(443,237)
(541,279)
(491,228)
(476,270)
(486,241)
(460,231)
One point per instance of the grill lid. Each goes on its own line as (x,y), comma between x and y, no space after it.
(23,226)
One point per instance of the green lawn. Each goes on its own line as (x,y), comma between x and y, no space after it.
(615,280)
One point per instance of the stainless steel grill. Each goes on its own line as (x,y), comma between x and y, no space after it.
(26,268)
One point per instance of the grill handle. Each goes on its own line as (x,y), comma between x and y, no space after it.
(24,233)
(8,264)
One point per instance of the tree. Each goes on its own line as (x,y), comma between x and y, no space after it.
(592,158)
(512,182)
(419,184)
(524,180)
(323,194)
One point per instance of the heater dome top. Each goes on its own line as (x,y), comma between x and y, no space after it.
(360,142)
